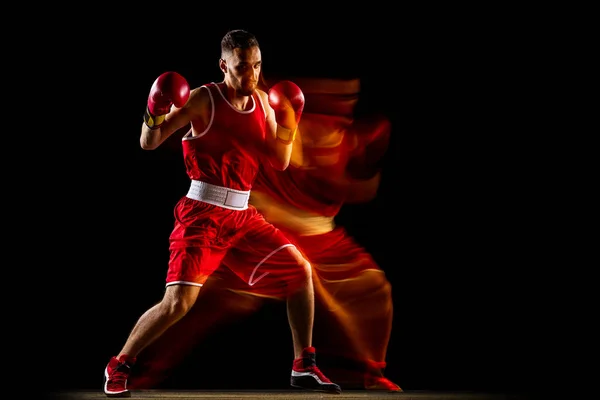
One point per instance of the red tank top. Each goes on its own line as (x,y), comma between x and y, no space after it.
(230,150)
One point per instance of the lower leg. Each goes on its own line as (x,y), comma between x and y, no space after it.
(301,313)
(155,321)
(215,308)
(301,310)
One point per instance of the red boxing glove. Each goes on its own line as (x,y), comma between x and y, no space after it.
(287,100)
(168,89)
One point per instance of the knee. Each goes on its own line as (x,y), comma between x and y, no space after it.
(306,269)
(298,274)
(302,268)
(302,275)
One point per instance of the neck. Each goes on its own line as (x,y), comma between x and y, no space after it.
(241,102)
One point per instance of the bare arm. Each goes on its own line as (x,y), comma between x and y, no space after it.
(196,108)
(280,151)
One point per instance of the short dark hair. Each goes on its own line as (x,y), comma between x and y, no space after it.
(237,38)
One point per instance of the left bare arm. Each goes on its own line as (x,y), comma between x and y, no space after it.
(279,151)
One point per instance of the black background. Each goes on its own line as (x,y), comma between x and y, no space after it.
(454,225)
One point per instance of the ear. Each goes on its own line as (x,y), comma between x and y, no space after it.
(223,65)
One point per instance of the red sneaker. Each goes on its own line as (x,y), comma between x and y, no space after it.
(115,376)
(306,374)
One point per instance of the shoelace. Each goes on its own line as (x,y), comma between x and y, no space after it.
(118,376)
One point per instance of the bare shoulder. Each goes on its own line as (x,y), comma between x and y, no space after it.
(199,93)
(263,95)
(198,107)
(199,100)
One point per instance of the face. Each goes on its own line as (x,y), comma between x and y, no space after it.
(242,69)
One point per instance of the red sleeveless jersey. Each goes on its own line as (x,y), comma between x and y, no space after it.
(230,150)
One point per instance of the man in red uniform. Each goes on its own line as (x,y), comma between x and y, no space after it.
(235,127)
(335,160)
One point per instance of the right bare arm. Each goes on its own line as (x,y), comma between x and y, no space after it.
(197,109)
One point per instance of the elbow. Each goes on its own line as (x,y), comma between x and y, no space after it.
(284,164)
(280,165)
(146,145)
(150,139)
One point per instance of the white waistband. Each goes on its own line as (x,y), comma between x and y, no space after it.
(218,195)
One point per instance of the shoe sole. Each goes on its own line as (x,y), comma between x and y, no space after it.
(319,389)
(309,383)
(115,395)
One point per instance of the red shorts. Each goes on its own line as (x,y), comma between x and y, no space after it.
(334,256)
(203,233)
